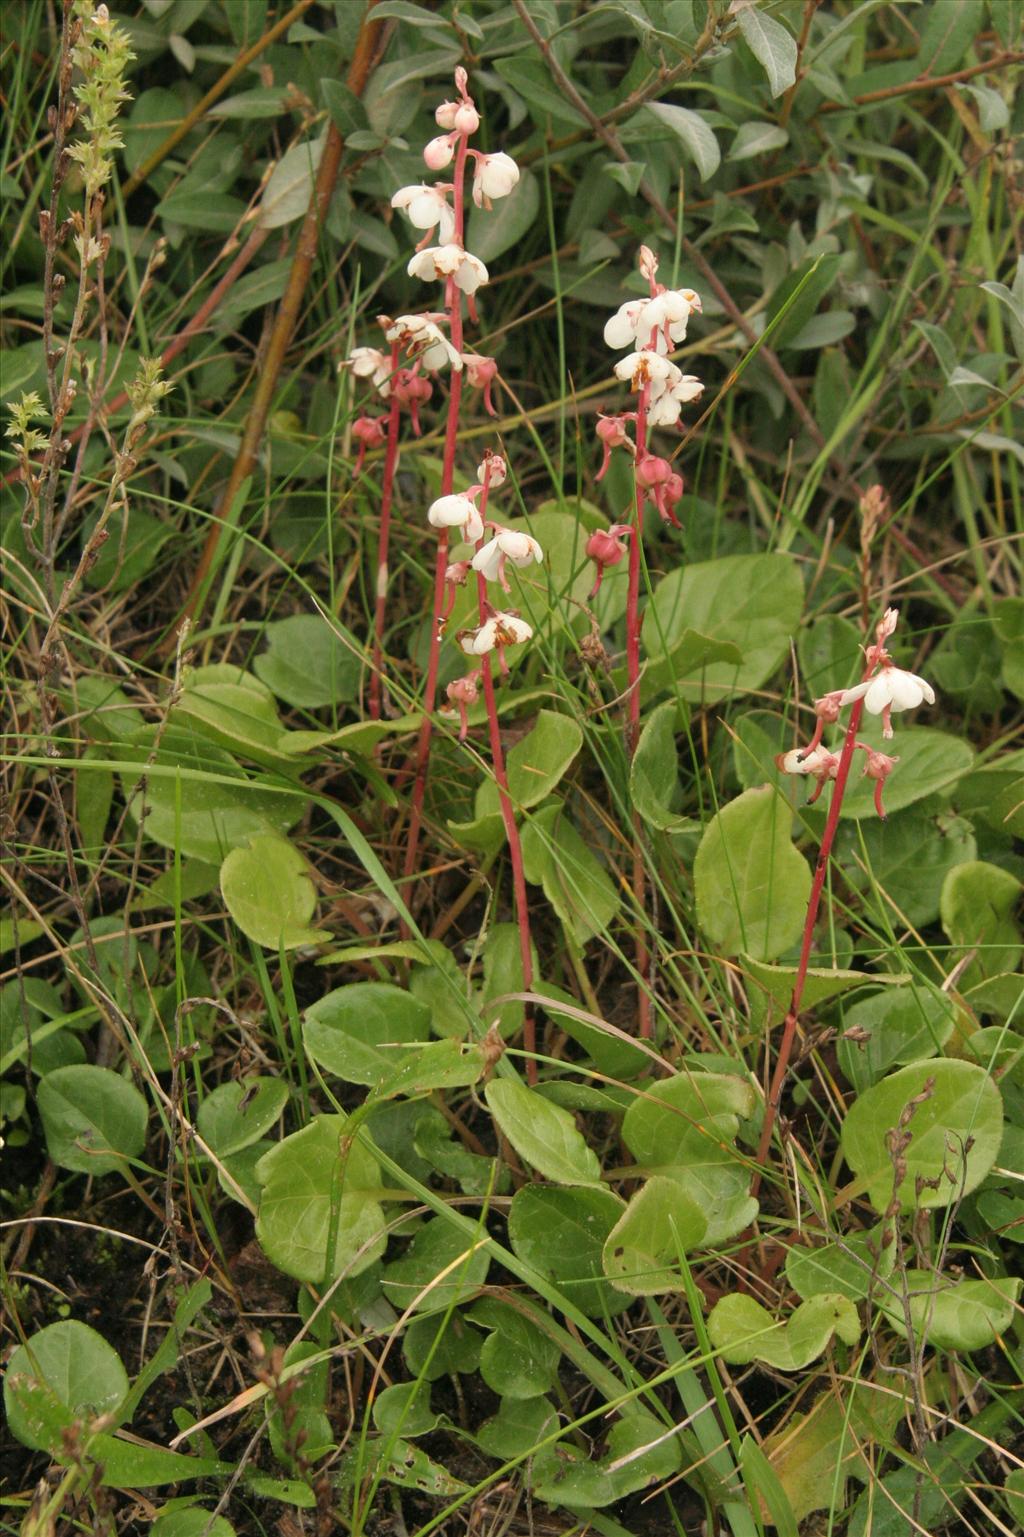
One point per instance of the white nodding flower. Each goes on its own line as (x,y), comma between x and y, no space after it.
(493,176)
(890,689)
(507,545)
(667,313)
(501,630)
(457,511)
(370,363)
(666,408)
(802,760)
(689,388)
(643,367)
(492,471)
(620,331)
(425,207)
(439,262)
(426,339)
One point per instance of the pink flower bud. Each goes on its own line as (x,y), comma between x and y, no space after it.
(652,471)
(455,575)
(648,264)
(877,766)
(463,692)
(438,153)
(481,373)
(369,432)
(605,548)
(467,119)
(611,431)
(444,115)
(411,390)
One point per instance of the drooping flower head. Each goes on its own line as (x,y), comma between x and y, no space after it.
(508,545)
(422,338)
(426,207)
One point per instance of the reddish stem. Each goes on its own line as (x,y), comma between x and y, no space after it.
(643,958)
(814,902)
(383,540)
(515,847)
(453,306)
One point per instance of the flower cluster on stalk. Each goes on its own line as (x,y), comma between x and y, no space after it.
(426,345)
(421,339)
(497,628)
(884,690)
(651,328)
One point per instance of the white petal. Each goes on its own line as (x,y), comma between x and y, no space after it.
(850,695)
(664,411)
(620,330)
(878,694)
(488,560)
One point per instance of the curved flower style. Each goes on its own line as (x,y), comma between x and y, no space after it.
(426,206)
(423,338)
(439,262)
(507,545)
(457,511)
(890,690)
(493,176)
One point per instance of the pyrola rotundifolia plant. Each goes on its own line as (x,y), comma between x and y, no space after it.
(885,689)
(651,328)
(432,344)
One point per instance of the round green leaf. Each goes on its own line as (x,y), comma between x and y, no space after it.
(233,709)
(903,1024)
(235,1115)
(193,1521)
(362,1033)
(518,1359)
(269,892)
(743,1331)
(517,1427)
(654,771)
(64,1373)
(435,1247)
(751,602)
(644,1249)
(201,818)
(542,1133)
(308,663)
(93,1119)
(955,1132)
(314,1181)
(561,1233)
(683,1128)
(955,1315)
(977,907)
(908,856)
(752,885)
